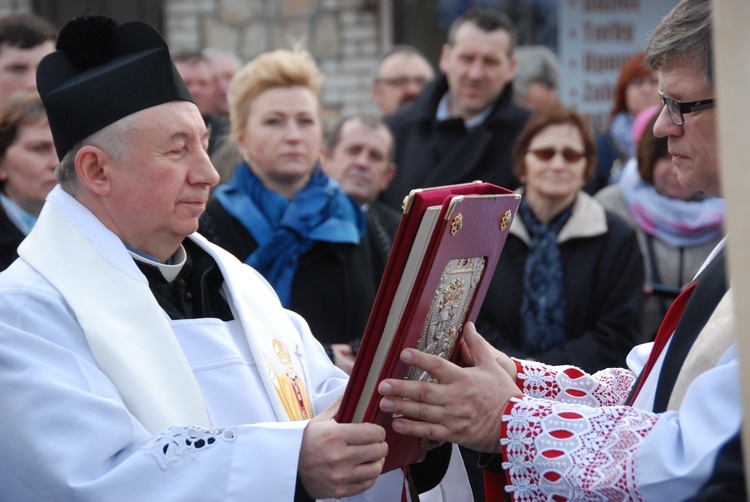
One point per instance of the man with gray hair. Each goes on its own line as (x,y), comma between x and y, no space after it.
(666,428)
(139,361)
(400,76)
(537,77)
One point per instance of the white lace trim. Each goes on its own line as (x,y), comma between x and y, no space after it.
(174,443)
(568,384)
(558,451)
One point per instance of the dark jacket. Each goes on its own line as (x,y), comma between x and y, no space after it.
(10,238)
(335,284)
(609,160)
(603,281)
(382,224)
(432,153)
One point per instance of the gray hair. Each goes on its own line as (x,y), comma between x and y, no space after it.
(684,36)
(210,53)
(112,139)
(396,49)
(536,63)
(366,119)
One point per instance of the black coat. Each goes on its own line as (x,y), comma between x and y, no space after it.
(602,283)
(432,153)
(335,284)
(382,224)
(10,238)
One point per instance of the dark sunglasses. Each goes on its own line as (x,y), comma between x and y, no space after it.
(546,154)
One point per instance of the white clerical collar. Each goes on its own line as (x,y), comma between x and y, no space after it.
(444,112)
(168,270)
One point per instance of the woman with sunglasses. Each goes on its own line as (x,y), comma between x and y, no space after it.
(568,287)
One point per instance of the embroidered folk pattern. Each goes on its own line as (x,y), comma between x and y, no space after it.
(557,451)
(569,384)
(174,443)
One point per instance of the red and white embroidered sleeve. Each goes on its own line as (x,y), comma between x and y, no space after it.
(568,384)
(559,451)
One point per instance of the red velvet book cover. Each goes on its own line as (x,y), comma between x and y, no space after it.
(443,257)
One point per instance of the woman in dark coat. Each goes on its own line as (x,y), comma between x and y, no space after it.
(568,287)
(280,213)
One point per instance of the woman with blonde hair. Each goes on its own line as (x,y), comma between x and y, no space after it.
(282,215)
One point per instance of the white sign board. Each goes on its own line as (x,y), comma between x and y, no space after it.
(595,37)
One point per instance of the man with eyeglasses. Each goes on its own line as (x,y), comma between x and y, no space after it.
(401,75)
(463,126)
(667,428)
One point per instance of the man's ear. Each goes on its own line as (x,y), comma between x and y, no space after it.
(93,169)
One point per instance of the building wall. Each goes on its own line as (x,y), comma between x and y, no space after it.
(342,36)
(12,6)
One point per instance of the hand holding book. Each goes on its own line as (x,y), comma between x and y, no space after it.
(444,254)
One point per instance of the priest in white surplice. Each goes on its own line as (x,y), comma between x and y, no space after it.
(138,361)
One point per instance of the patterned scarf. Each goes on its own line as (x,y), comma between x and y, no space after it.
(678,223)
(284,229)
(543,305)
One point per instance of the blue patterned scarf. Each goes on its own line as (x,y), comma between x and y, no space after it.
(284,229)
(543,304)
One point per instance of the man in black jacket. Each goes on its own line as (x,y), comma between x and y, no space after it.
(464,124)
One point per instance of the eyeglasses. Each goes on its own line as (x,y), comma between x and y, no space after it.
(546,154)
(677,109)
(403,81)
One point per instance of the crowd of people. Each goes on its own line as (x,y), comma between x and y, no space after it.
(233,248)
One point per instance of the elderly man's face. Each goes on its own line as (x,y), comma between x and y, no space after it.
(361,161)
(160,188)
(693,145)
(200,82)
(401,79)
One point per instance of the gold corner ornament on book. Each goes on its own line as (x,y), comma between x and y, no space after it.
(432,286)
(458,222)
(505,220)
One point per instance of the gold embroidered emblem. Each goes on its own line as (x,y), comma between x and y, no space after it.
(289,385)
(449,307)
(457,223)
(505,220)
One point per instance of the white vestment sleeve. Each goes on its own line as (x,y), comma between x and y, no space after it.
(569,437)
(70,437)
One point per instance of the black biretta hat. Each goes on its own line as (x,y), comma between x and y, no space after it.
(101,72)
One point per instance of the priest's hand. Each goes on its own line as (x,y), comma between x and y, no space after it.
(467,403)
(340,460)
